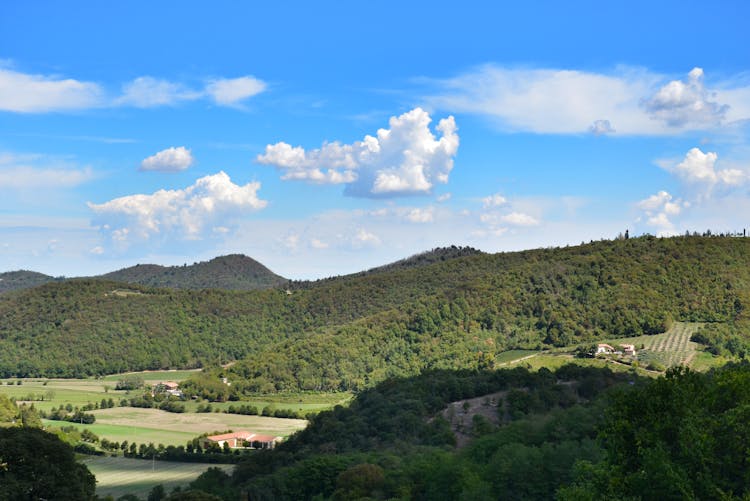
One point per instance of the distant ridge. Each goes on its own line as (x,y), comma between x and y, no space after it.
(232,272)
(23,279)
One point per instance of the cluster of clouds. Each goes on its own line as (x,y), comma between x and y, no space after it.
(701,180)
(33,93)
(199,211)
(626,101)
(499,215)
(405,159)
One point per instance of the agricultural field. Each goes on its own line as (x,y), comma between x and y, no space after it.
(513,356)
(669,349)
(119,476)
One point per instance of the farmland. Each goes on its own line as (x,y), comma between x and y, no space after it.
(669,349)
(119,476)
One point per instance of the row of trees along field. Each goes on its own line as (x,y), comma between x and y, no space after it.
(350,332)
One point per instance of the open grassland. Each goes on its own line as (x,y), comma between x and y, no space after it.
(513,356)
(160,427)
(120,476)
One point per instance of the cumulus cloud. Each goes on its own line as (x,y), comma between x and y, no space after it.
(169,160)
(230,91)
(189,214)
(658,209)
(565,101)
(499,215)
(28,171)
(406,159)
(700,168)
(444,197)
(519,219)
(27,93)
(682,102)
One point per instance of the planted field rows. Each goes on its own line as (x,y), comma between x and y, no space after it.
(669,349)
(119,476)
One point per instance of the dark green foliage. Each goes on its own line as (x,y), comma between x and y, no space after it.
(38,465)
(726,339)
(129,382)
(233,272)
(388,443)
(684,436)
(23,279)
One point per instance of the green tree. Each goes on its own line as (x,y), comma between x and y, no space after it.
(38,465)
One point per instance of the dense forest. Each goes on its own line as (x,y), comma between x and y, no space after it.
(575,434)
(350,332)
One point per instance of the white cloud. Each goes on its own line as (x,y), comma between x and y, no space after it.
(684,102)
(169,160)
(418,215)
(444,197)
(363,238)
(564,101)
(700,168)
(147,92)
(23,172)
(26,93)
(496,200)
(190,213)
(519,219)
(406,159)
(98,250)
(658,210)
(230,91)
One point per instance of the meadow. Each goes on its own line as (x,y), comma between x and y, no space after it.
(117,476)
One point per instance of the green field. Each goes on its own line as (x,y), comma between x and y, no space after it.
(160,427)
(79,392)
(119,476)
(511,356)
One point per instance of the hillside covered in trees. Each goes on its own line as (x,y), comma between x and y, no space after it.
(350,332)
(573,434)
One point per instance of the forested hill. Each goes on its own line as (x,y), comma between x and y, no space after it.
(350,332)
(22,279)
(233,272)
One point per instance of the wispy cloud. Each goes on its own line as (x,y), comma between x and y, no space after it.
(30,171)
(626,101)
(33,93)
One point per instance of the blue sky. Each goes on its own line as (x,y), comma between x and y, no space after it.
(324,138)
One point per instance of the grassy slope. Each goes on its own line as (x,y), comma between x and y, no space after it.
(120,476)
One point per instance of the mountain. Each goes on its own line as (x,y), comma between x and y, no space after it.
(350,332)
(232,272)
(22,279)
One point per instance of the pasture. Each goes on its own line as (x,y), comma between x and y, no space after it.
(117,476)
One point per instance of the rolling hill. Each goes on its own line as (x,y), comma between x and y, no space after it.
(22,279)
(353,331)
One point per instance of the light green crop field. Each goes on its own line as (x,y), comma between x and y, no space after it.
(160,427)
(511,356)
(119,476)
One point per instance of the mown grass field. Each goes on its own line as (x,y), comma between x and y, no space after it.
(160,427)
(119,476)
(511,356)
